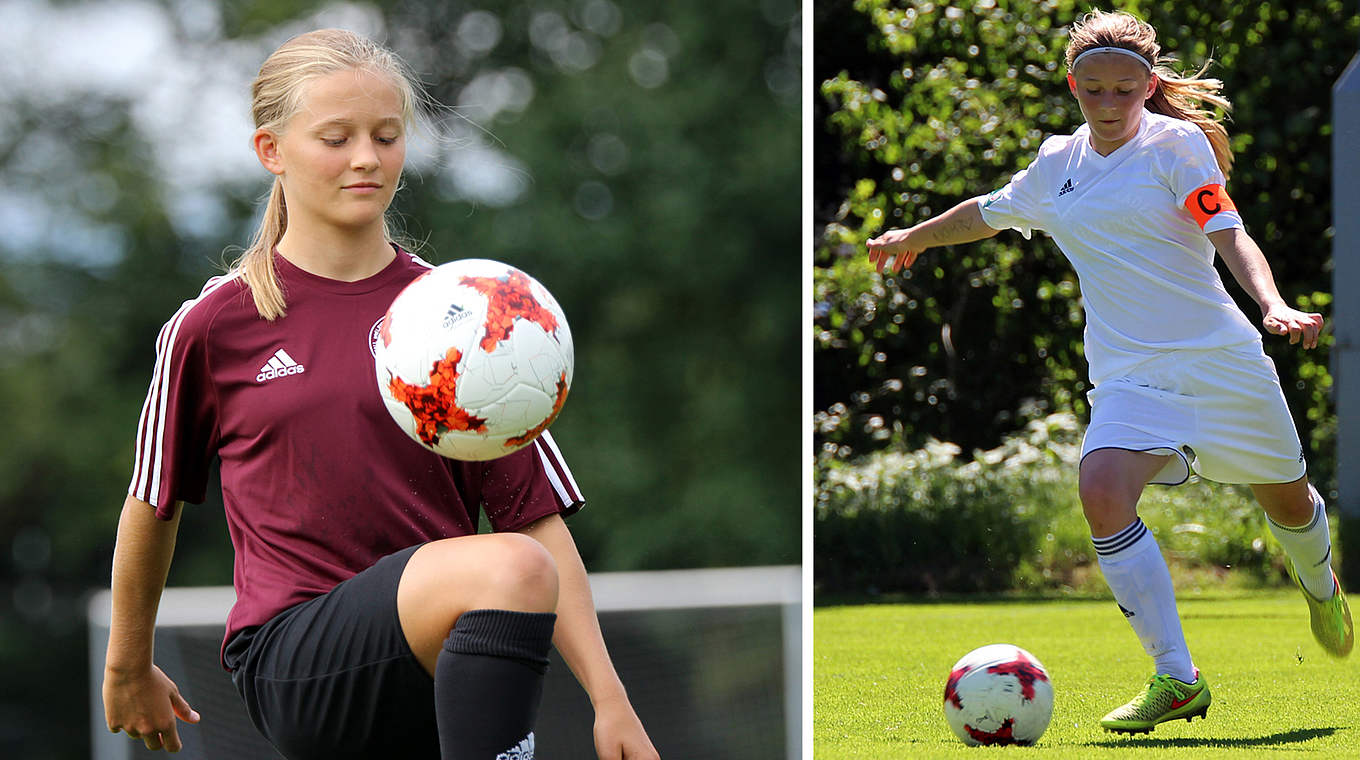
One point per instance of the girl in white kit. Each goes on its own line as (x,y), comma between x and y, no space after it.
(1135,199)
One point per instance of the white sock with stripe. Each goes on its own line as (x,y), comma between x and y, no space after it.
(1137,574)
(1310,548)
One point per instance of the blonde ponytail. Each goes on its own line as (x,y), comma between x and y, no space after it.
(1179,96)
(256,265)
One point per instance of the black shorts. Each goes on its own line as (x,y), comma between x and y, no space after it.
(333,677)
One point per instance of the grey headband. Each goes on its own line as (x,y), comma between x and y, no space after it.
(1119,50)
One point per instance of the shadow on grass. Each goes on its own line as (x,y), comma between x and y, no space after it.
(849,598)
(1245,615)
(1296,736)
(852,599)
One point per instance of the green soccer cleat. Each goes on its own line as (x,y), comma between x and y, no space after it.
(1331,619)
(1163,699)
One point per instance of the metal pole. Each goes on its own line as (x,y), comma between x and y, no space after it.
(1346,308)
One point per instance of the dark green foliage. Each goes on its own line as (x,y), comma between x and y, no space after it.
(925,522)
(929,522)
(921,105)
(945,532)
(683,295)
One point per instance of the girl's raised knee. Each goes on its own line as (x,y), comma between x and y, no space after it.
(497,571)
(1097,496)
(1107,507)
(522,573)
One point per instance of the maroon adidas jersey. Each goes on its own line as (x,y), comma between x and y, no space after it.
(318,481)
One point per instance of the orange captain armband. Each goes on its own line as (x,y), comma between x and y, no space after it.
(1207,202)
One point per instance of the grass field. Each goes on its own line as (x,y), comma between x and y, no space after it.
(879,672)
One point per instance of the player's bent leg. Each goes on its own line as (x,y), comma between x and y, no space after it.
(1298,520)
(1163,699)
(485,605)
(489,682)
(1287,503)
(444,579)
(1110,482)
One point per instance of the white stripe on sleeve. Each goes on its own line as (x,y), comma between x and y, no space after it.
(152,455)
(562,494)
(547,438)
(140,464)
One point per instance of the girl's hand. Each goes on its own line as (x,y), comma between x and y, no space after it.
(1300,326)
(895,245)
(145,705)
(619,734)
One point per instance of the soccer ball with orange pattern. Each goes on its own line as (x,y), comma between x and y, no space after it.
(474,359)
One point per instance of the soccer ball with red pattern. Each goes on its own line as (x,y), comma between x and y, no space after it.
(998,694)
(474,359)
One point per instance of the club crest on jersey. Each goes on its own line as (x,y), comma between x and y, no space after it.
(375,335)
(279,365)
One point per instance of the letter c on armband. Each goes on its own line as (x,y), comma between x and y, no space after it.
(1208,201)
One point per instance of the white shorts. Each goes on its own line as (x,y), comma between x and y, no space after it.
(1220,412)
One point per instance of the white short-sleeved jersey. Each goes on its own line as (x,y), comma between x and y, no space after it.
(1145,264)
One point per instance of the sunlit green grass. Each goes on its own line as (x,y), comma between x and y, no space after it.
(879,673)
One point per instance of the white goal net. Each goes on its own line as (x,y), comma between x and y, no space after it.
(711,659)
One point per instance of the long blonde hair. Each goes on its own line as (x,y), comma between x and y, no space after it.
(1180,96)
(276,95)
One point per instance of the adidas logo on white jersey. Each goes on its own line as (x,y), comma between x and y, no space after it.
(1066,188)
(279,365)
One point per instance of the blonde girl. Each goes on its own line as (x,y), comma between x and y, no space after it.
(1135,199)
(371,620)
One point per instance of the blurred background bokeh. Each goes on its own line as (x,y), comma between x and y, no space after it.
(640,159)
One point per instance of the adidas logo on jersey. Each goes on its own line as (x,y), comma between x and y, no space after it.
(279,365)
(1066,188)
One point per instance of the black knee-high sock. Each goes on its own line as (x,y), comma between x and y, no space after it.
(488,682)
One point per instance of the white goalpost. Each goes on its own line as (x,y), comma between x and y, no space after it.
(712,660)
(1346,304)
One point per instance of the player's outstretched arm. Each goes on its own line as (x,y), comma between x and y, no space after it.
(138,697)
(619,734)
(1249,267)
(896,249)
